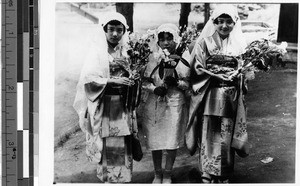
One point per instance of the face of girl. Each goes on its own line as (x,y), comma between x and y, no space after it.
(114,33)
(167,42)
(224,26)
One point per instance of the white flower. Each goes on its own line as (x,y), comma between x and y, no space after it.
(166,52)
(173,63)
(283,46)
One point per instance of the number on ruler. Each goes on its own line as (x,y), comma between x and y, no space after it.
(35,32)
(10,3)
(11,87)
(14,155)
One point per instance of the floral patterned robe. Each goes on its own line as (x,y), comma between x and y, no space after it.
(110,145)
(222,115)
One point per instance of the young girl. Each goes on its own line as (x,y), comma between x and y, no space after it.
(165,113)
(218,107)
(100,101)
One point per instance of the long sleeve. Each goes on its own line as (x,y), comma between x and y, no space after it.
(184,72)
(200,82)
(96,75)
(198,78)
(93,90)
(95,71)
(199,54)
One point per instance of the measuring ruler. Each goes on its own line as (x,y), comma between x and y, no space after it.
(9,92)
(20,73)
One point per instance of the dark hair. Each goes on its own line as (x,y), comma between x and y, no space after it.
(221,16)
(161,35)
(113,22)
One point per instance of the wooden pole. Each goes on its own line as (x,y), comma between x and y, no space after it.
(206,12)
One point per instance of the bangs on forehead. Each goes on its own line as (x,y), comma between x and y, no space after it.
(114,22)
(161,35)
(225,16)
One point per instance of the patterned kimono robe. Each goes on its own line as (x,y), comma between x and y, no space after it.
(218,111)
(110,142)
(165,118)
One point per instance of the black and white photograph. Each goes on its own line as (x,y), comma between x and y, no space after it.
(175,92)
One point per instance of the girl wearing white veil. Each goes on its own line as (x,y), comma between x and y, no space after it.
(165,115)
(217,108)
(99,103)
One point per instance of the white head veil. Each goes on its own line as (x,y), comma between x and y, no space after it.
(167,27)
(236,38)
(114,16)
(118,17)
(171,28)
(96,65)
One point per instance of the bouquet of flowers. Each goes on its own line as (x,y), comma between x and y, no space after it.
(190,34)
(170,61)
(137,53)
(134,65)
(261,55)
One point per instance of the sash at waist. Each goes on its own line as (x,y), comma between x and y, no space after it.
(219,83)
(121,90)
